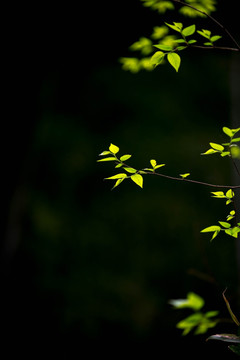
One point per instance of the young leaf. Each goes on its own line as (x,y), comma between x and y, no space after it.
(211,229)
(233,232)
(138,179)
(224,224)
(216,146)
(153,163)
(215,38)
(105,153)
(184,175)
(227,131)
(209,152)
(118,182)
(230,194)
(130,170)
(174,60)
(190,30)
(163,47)
(218,194)
(176,26)
(157,58)
(108,159)
(114,149)
(117,176)
(159,166)
(125,157)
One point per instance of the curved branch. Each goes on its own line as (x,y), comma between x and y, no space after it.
(212,18)
(193,181)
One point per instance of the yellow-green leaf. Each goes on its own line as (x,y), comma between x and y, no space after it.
(174,60)
(138,179)
(114,149)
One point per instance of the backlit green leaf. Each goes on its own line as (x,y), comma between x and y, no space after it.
(211,229)
(209,152)
(174,60)
(108,159)
(216,146)
(130,170)
(153,163)
(117,176)
(114,149)
(125,157)
(138,179)
(184,175)
(105,153)
(227,131)
(224,224)
(157,58)
(190,30)
(163,47)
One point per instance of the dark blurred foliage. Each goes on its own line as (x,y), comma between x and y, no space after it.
(87,270)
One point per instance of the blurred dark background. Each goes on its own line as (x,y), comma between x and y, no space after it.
(88,271)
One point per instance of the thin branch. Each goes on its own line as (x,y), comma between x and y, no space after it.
(212,18)
(214,47)
(193,181)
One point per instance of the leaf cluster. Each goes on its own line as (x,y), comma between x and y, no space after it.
(130,172)
(199,321)
(225,226)
(230,148)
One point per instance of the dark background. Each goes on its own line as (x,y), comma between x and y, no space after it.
(87,271)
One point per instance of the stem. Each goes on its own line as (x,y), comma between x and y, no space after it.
(212,18)
(214,47)
(193,181)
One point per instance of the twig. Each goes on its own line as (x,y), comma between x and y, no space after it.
(193,181)
(212,18)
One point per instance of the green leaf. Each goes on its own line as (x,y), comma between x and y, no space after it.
(117,176)
(230,194)
(125,157)
(227,131)
(118,166)
(215,38)
(138,179)
(218,194)
(205,33)
(224,224)
(157,58)
(108,159)
(193,301)
(105,153)
(174,60)
(153,163)
(217,146)
(192,41)
(209,152)
(233,232)
(130,170)
(164,47)
(159,166)
(176,26)
(118,182)
(215,234)
(184,175)
(190,30)
(114,149)
(211,229)
(236,139)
